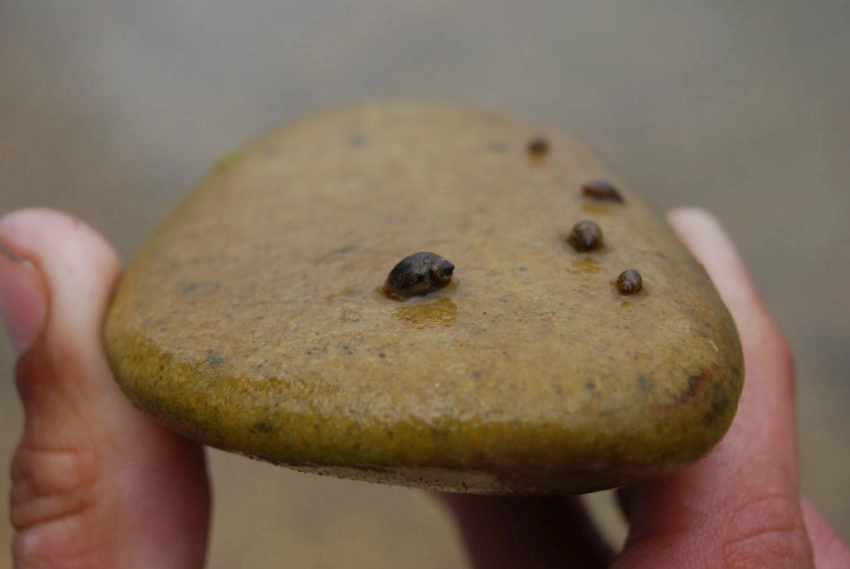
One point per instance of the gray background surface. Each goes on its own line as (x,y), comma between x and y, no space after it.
(113,110)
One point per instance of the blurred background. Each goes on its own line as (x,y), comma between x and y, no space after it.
(112,110)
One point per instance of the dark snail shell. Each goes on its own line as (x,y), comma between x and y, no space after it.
(538,147)
(602,191)
(418,274)
(629,282)
(585,236)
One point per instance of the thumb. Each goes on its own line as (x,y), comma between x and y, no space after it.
(94,482)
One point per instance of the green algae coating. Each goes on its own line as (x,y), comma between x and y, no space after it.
(253,319)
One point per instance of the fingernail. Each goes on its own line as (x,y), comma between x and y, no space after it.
(23,302)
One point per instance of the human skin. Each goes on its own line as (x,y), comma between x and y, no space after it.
(95,483)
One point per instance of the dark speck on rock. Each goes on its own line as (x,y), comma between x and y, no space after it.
(263,427)
(497,147)
(693,386)
(213,358)
(357,140)
(195,286)
(719,404)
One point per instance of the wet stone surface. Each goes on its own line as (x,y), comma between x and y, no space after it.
(261,318)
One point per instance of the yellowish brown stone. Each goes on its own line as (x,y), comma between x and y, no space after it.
(254,319)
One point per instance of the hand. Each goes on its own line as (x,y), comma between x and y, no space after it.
(98,484)
(95,483)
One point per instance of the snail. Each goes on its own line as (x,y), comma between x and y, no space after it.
(585,236)
(538,147)
(418,274)
(629,282)
(602,191)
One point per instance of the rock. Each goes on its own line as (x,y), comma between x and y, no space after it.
(256,319)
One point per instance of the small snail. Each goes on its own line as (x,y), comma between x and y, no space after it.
(602,191)
(585,236)
(538,147)
(418,274)
(629,282)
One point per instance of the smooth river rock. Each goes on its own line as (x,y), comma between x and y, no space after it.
(257,319)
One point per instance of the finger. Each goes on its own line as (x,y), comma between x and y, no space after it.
(94,482)
(830,550)
(738,506)
(503,532)
(22,299)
